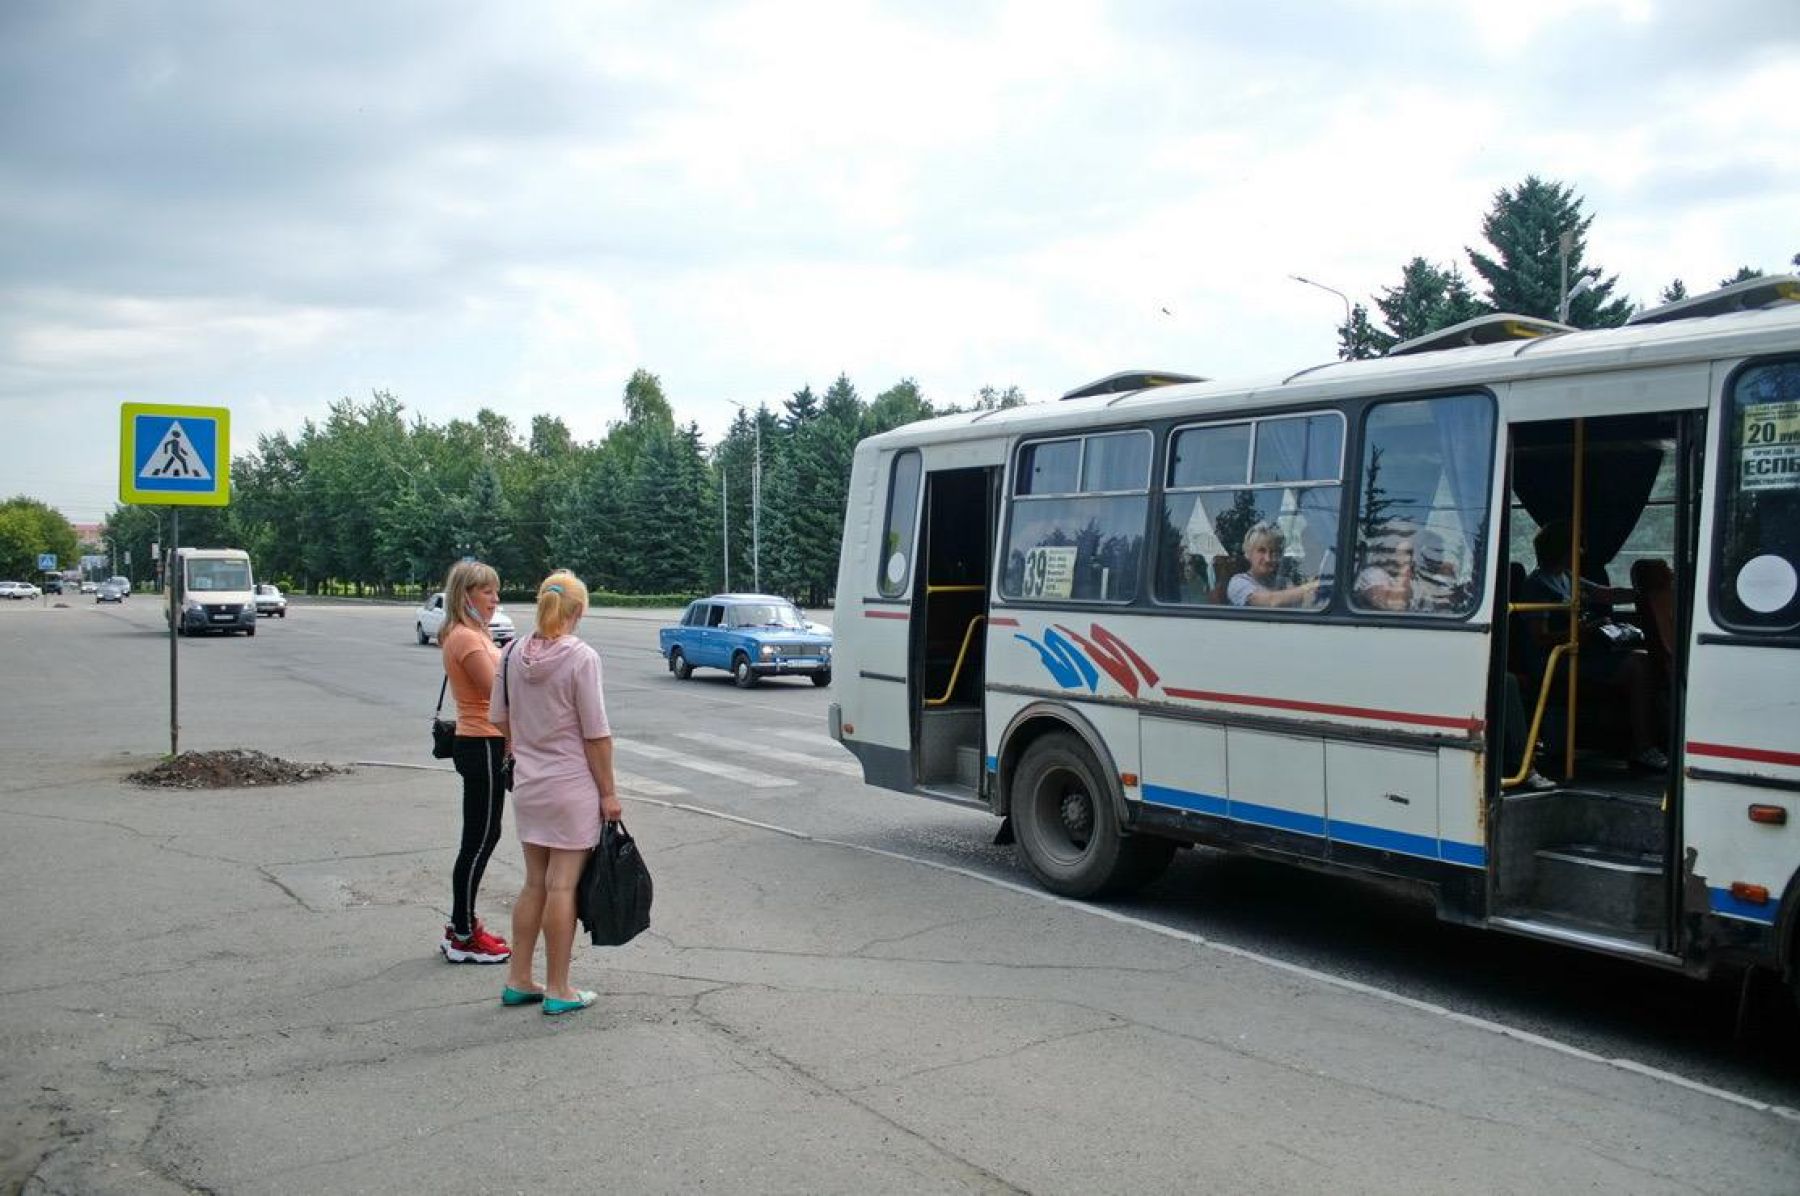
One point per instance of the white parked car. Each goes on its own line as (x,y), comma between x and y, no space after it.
(431,617)
(16,590)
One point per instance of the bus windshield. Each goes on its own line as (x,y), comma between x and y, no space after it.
(213,576)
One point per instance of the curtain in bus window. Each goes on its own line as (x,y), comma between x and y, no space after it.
(1757,582)
(1618,477)
(1422,513)
(1116,462)
(1306,449)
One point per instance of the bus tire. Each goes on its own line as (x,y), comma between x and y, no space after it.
(679,666)
(742,673)
(1067,827)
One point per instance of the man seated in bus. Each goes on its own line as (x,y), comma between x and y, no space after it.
(1270,579)
(1608,658)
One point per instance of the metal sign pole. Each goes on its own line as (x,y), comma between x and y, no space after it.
(172,573)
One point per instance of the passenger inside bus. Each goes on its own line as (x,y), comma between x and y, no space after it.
(1270,580)
(1418,573)
(1610,659)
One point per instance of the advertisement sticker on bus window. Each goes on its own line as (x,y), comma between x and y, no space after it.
(1769,456)
(1049,572)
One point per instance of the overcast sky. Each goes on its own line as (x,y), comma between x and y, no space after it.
(267,207)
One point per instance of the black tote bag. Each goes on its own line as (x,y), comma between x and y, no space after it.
(613,896)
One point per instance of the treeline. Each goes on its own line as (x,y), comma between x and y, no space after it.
(375,501)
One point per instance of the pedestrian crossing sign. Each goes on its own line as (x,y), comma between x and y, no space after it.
(177,456)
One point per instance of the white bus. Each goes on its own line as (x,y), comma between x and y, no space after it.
(214,591)
(1307,618)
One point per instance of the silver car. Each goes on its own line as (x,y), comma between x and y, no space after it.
(271,601)
(430,619)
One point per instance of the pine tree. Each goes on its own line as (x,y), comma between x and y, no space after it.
(1358,339)
(1524,276)
(1428,298)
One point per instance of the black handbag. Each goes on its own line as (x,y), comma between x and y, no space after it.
(613,895)
(506,765)
(443,731)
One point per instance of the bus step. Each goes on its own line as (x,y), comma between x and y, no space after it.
(1600,886)
(968,766)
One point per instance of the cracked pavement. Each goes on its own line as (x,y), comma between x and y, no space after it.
(238,991)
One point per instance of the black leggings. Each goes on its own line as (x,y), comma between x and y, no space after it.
(478,760)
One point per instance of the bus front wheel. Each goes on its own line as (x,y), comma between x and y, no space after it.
(1067,827)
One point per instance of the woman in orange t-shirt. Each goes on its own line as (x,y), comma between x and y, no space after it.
(471,596)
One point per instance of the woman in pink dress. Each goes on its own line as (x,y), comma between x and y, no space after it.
(547,699)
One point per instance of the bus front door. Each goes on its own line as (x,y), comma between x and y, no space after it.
(949,630)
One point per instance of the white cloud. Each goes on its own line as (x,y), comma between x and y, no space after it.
(519,208)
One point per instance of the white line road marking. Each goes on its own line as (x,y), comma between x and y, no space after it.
(814,739)
(845,767)
(743,776)
(632,782)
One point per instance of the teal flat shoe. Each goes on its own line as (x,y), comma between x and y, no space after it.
(512,996)
(583,998)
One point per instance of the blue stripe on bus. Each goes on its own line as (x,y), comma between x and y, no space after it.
(1470,855)
(1724,903)
(1182,799)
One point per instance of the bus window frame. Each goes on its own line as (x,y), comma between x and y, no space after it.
(1013,498)
(1254,421)
(901,587)
(1723,490)
(1481,582)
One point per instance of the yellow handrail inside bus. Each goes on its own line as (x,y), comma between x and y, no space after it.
(1570,647)
(931,589)
(956,672)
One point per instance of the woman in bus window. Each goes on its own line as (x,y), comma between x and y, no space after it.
(1269,581)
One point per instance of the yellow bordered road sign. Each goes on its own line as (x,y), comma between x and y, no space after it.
(174,456)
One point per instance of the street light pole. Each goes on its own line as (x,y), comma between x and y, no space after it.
(1309,282)
(755,497)
(725,519)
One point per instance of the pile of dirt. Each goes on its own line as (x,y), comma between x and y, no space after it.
(233,768)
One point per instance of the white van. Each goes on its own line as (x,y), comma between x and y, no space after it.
(216,591)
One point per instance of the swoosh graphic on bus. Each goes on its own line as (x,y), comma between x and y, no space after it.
(1071,659)
(1073,668)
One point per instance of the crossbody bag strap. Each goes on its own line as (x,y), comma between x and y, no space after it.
(441,689)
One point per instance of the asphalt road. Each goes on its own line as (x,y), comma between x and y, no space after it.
(949,1025)
(347,682)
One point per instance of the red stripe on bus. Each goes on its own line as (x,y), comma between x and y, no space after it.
(1003,621)
(885,614)
(1399,716)
(1728,752)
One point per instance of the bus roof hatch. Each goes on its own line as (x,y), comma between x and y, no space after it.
(1482,330)
(1748,295)
(1129,380)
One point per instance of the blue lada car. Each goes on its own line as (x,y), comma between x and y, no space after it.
(750,636)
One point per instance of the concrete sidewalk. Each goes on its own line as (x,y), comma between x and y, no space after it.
(239,991)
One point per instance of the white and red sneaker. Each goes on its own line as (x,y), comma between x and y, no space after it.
(480,947)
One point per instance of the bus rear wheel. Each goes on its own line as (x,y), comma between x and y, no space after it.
(1067,826)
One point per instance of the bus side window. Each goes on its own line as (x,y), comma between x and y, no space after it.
(1424,498)
(1076,529)
(897,533)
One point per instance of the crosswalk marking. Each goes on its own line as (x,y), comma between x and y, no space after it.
(844,767)
(814,739)
(642,786)
(744,776)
